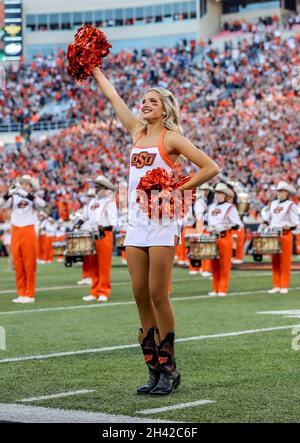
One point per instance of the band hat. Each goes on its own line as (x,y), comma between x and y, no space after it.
(31,180)
(284,186)
(101,180)
(221,187)
(91,192)
(230,192)
(205,187)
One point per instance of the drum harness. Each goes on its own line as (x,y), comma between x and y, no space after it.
(98,234)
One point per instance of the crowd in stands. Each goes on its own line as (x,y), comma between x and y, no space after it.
(262,24)
(246,26)
(240,105)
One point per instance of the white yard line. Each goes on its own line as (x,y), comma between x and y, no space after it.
(121,303)
(69,308)
(34,414)
(59,395)
(191,404)
(125,283)
(57,288)
(130,346)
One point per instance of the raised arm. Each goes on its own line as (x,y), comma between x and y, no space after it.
(176,143)
(131,123)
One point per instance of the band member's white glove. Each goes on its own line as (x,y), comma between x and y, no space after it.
(11,191)
(264,227)
(78,224)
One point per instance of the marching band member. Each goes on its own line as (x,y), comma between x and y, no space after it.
(282,215)
(239,234)
(6,227)
(42,238)
(24,204)
(200,209)
(123,216)
(239,252)
(195,219)
(50,229)
(101,212)
(60,236)
(86,271)
(222,218)
(187,223)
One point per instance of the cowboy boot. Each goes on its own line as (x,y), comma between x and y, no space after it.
(149,348)
(169,376)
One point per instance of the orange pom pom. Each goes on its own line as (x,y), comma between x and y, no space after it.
(158,199)
(87,52)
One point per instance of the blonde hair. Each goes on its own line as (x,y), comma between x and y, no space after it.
(171,120)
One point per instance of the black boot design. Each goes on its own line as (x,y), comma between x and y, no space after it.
(149,344)
(169,376)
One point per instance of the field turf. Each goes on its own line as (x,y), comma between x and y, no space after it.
(250,377)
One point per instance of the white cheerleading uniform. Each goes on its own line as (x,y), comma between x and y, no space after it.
(142,231)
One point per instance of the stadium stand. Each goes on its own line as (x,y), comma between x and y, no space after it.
(239,104)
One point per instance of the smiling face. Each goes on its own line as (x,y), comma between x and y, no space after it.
(152,107)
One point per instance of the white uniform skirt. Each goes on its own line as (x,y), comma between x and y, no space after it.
(152,235)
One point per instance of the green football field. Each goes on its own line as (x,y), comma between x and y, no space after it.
(239,352)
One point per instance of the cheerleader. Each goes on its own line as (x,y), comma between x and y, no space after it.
(150,247)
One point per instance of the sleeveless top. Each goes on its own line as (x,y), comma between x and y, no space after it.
(143,159)
(142,231)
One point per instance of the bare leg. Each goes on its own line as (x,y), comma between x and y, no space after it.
(138,266)
(161,263)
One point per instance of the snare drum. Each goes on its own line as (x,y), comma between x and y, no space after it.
(202,246)
(59,248)
(120,237)
(79,244)
(266,243)
(243,203)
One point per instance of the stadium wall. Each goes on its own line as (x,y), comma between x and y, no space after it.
(165,33)
(210,23)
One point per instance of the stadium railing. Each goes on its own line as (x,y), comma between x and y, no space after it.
(40,126)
